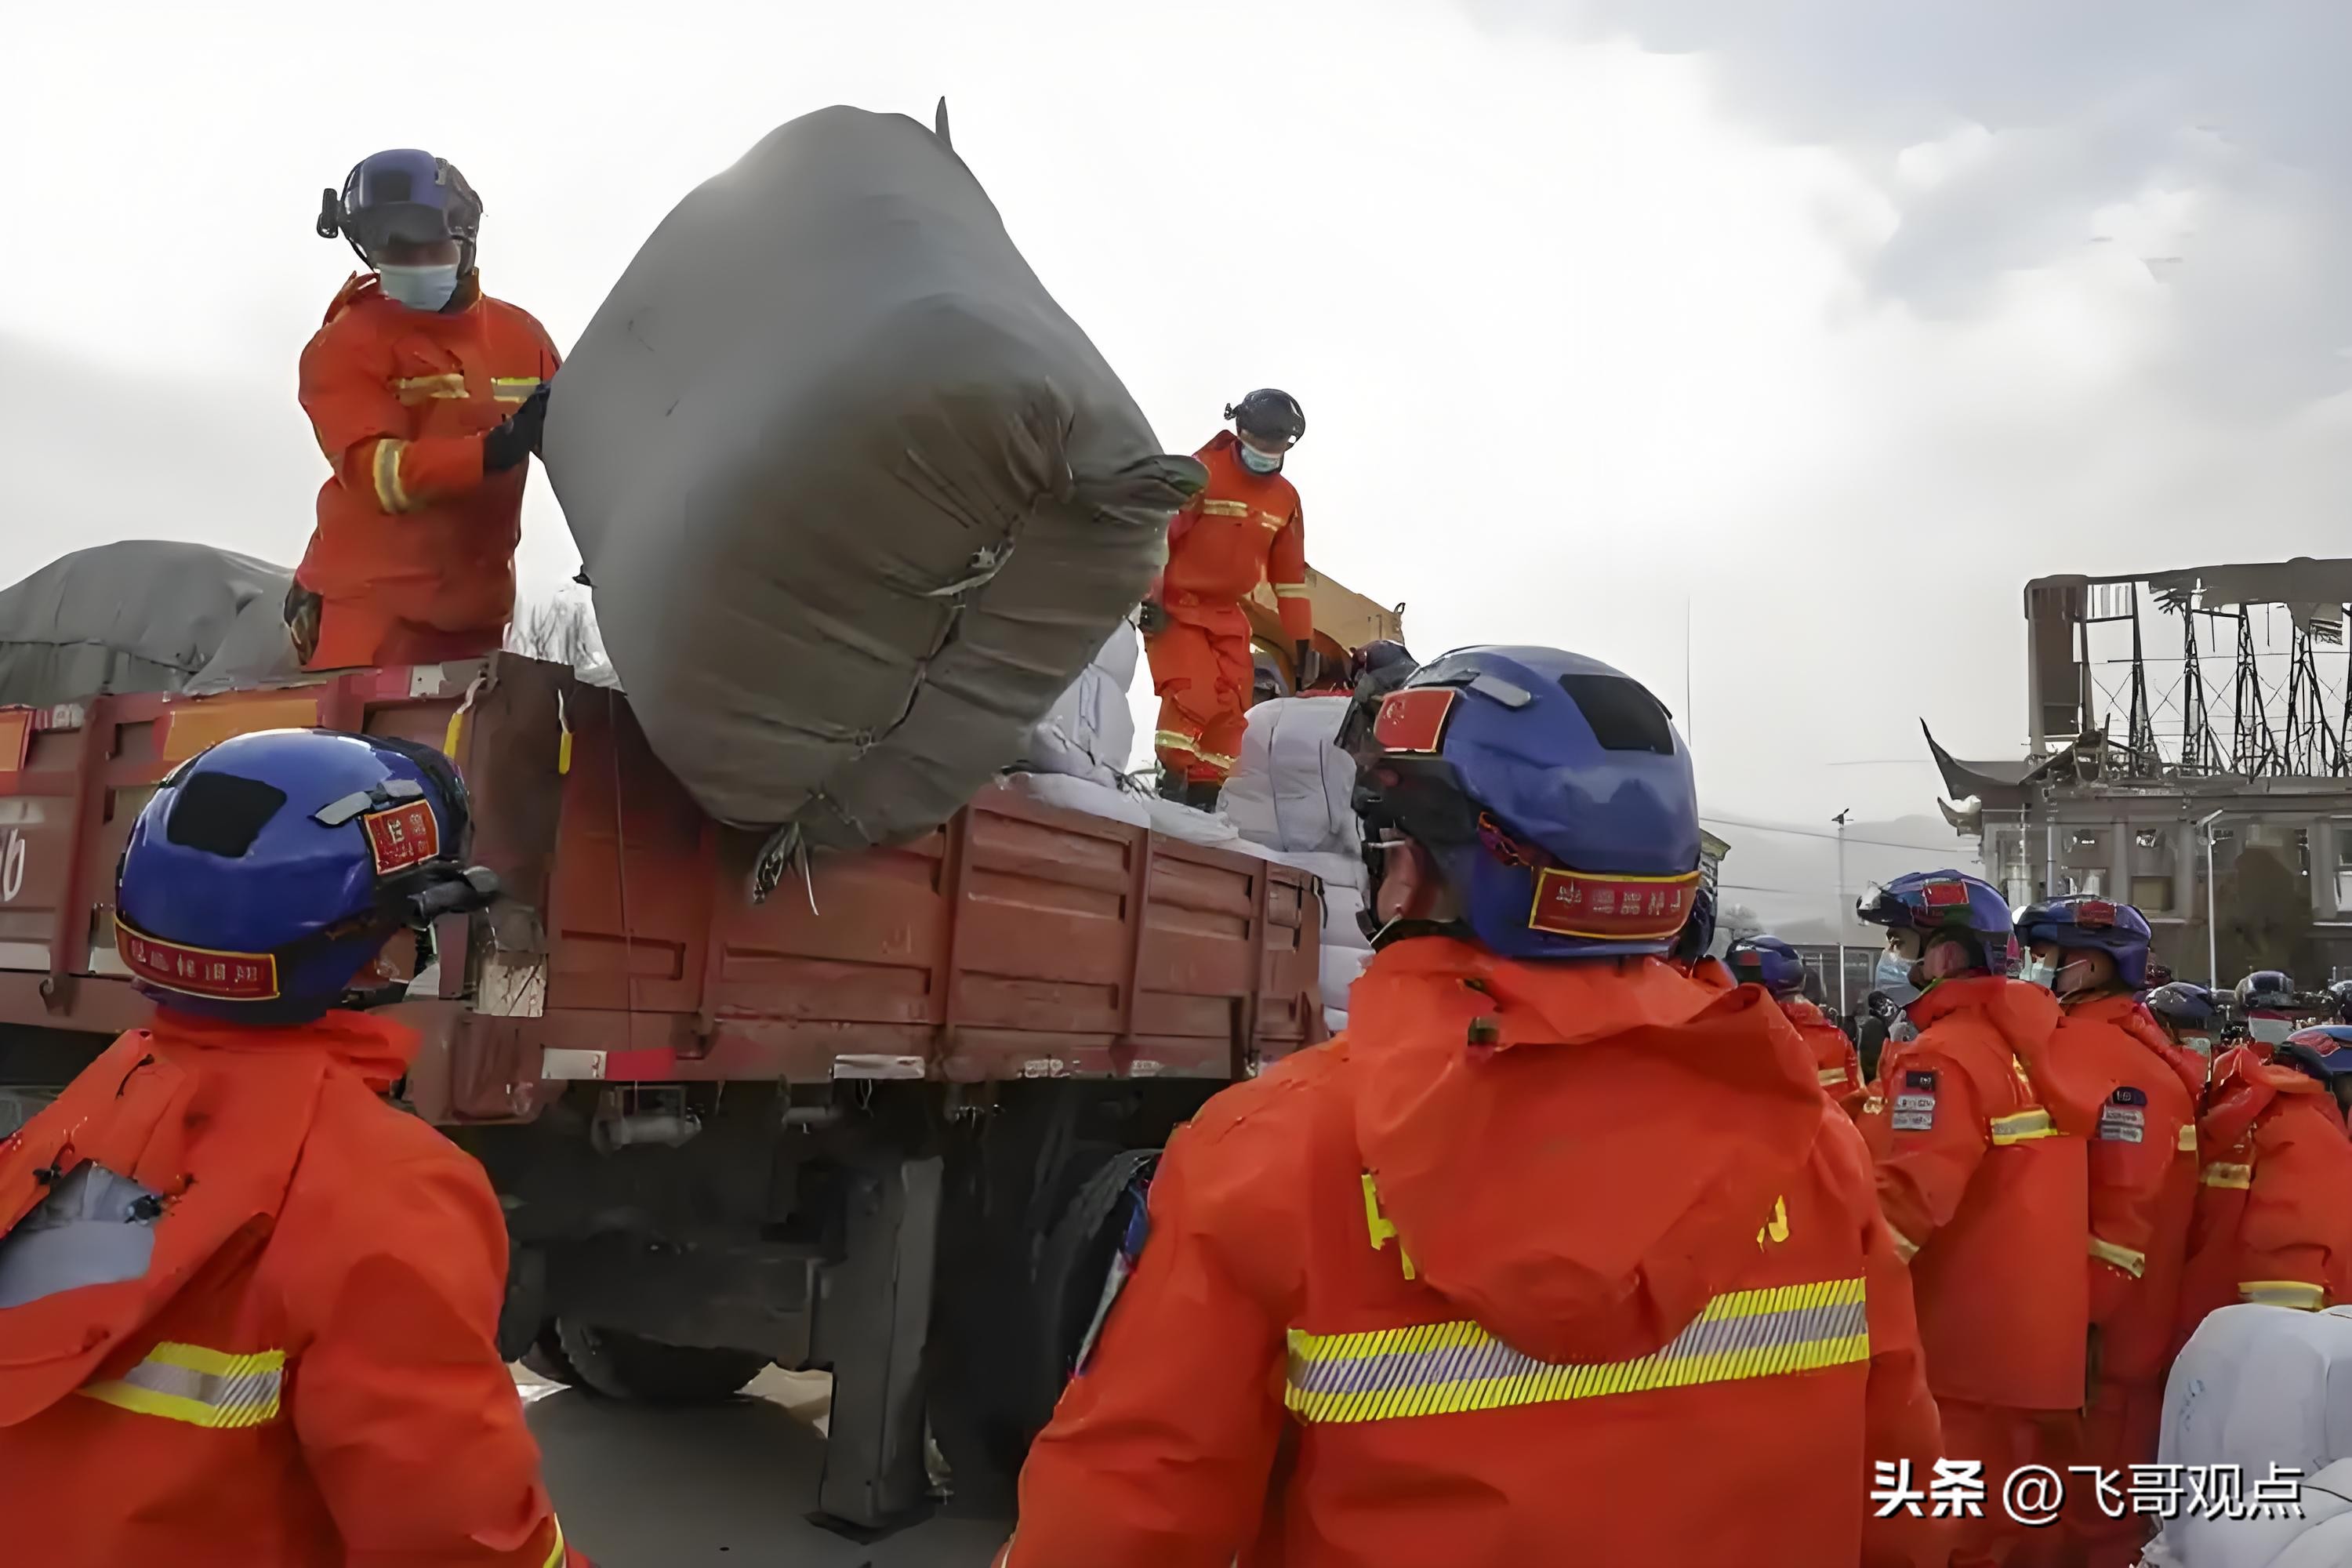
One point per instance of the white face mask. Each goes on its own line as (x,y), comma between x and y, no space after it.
(1258,462)
(419,288)
(2270,1031)
(2033,972)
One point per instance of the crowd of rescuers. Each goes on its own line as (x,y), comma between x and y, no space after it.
(1572,1208)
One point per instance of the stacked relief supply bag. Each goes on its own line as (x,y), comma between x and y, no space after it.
(1292,792)
(143,614)
(859,500)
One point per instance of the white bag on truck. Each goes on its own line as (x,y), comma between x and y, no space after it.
(859,500)
(1089,733)
(1291,786)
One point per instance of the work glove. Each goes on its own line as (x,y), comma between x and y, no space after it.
(1310,666)
(302,621)
(1152,618)
(519,438)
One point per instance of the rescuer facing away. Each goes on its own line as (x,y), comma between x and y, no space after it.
(1556,1250)
(1244,528)
(251,1308)
(427,397)
(1768,962)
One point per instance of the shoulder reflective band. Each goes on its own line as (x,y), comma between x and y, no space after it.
(2187,1142)
(1224,508)
(1436,1369)
(2022,1126)
(2228,1176)
(513,388)
(2292,1293)
(203,1387)
(1829,1076)
(2132,1263)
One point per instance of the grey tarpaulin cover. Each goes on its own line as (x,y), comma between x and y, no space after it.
(859,500)
(144,614)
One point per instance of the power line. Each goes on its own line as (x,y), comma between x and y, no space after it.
(1817,833)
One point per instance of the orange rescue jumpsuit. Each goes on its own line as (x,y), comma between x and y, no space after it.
(1537,1258)
(414,552)
(2143,1169)
(306,1374)
(1983,1175)
(1837,1066)
(1243,529)
(2272,1223)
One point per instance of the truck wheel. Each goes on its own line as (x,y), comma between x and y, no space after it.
(546,1358)
(624,1367)
(1075,1265)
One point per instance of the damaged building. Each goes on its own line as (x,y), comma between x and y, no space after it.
(2189,751)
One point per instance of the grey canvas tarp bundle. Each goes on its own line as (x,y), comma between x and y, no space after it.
(858,499)
(144,614)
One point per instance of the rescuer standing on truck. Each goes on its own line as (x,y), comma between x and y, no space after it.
(427,397)
(1555,1252)
(1244,529)
(1768,962)
(1984,1177)
(249,1308)
(2092,954)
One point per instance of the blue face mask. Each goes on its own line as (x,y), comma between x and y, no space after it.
(419,288)
(1892,976)
(1258,462)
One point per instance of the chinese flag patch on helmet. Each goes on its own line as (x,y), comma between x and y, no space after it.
(1414,719)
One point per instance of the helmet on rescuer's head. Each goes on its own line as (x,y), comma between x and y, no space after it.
(1270,415)
(2325,1052)
(2096,924)
(267,872)
(1768,962)
(1551,790)
(2340,1001)
(403,194)
(2267,990)
(1944,903)
(2184,1005)
(1698,934)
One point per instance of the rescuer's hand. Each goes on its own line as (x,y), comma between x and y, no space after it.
(302,621)
(1152,618)
(519,438)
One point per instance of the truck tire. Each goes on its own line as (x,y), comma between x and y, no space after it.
(624,1366)
(1076,1264)
(546,1358)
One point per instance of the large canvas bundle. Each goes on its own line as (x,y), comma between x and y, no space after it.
(1293,787)
(143,614)
(1089,733)
(859,501)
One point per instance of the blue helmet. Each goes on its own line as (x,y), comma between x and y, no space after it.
(266,873)
(1551,791)
(2339,998)
(2184,1005)
(1935,903)
(2102,925)
(2266,990)
(402,193)
(1768,962)
(2325,1051)
(1698,932)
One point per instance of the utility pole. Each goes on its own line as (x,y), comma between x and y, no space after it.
(1840,913)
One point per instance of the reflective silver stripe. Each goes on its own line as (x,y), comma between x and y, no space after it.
(1433,1369)
(201,1387)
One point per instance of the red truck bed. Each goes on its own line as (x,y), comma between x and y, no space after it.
(1015,941)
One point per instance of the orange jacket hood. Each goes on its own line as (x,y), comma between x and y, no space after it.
(376,1048)
(2244,1087)
(1578,1154)
(2025,1018)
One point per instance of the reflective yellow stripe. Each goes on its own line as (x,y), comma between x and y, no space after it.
(1224,508)
(513,388)
(2187,1140)
(2228,1176)
(200,1386)
(2293,1293)
(1829,1076)
(1905,1248)
(2022,1126)
(2132,1263)
(450,385)
(555,1553)
(389,494)
(1174,740)
(1290,590)
(1437,1369)
(1273,524)
(1214,759)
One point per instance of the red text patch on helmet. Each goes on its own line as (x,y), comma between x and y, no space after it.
(196,971)
(403,836)
(1414,719)
(1610,908)
(2095,912)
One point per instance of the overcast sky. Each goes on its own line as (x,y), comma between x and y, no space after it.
(1827,323)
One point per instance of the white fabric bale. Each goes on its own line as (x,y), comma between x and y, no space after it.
(1341,904)
(1291,786)
(1337,971)
(1089,733)
(1081,795)
(2257,1387)
(1203,827)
